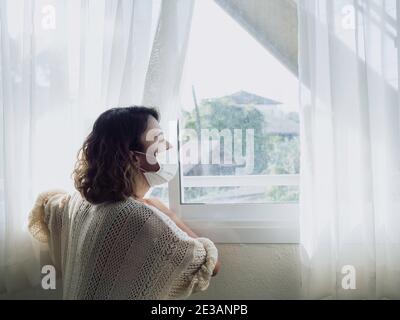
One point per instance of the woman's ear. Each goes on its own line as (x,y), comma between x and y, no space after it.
(134,159)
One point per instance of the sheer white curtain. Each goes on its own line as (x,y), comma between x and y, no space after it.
(61,64)
(350,202)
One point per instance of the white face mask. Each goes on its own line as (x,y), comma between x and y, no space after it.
(166,172)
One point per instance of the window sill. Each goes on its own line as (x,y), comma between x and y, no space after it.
(241,223)
(247,232)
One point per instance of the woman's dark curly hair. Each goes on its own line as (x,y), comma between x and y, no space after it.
(104,170)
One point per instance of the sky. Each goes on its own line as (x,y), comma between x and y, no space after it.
(223,59)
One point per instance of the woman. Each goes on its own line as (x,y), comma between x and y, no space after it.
(107,241)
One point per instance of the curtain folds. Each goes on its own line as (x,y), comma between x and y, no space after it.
(350,199)
(62,63)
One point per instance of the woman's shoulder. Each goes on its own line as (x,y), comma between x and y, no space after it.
(157,220)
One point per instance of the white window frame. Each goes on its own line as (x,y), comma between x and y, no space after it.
(273,223)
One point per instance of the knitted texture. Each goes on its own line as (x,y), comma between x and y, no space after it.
(121,250)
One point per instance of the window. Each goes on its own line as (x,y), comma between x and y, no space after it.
(238,136)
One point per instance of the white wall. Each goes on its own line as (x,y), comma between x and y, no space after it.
(254,271)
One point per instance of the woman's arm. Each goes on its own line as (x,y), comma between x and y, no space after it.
(190,232)
(178,221)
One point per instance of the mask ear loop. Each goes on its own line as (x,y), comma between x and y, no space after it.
(139,167)
(135,162)
(145,154)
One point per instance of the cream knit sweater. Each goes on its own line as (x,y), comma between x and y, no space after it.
(122,250)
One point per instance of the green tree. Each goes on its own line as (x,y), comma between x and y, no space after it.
(275,153)
(219,114)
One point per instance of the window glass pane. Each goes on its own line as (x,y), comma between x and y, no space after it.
(160,192)
(240,114)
